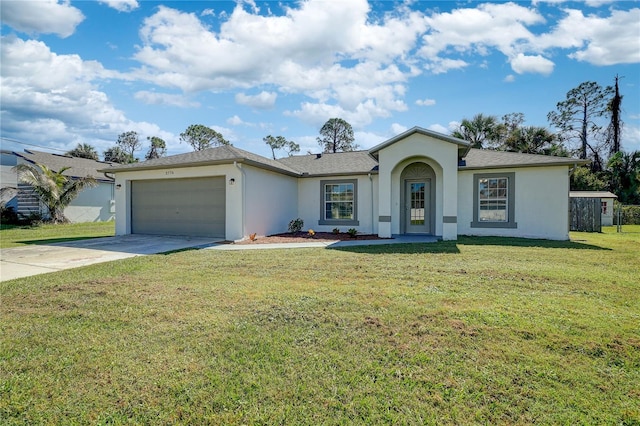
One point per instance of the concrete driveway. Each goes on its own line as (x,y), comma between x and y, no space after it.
(39,259)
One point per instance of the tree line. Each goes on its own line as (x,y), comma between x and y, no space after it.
(337,135)
(588,126)
(587,123)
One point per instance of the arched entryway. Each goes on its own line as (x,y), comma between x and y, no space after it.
(417,196)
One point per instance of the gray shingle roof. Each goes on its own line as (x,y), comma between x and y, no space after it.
(332,164)
(225,154)
(79,167)
(341,163)
(488,159)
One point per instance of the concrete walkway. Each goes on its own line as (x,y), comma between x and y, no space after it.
(40,259)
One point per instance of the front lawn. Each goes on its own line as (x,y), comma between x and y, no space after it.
(16,236)
(482,330)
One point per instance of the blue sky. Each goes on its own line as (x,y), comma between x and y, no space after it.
(86,71)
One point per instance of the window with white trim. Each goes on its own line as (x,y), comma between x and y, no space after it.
(338,205)
(494,200)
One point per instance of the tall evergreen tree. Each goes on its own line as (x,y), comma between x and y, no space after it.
(129,143)
(337,135)
(579,116)
(279,142)
(157,148)
(202,137)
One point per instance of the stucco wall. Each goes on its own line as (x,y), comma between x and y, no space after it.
(271,201)
(233,223)
(92,205)
(442,156)
(541,203)
(309,196)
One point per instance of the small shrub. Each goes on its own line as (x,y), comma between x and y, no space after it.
(630,215)
(311,233)
(296,225)
(336,231)
(8,215)
(252,237)
(353,232)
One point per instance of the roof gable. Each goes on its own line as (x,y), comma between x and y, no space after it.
(463,145)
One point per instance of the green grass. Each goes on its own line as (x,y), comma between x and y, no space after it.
(16,236)
(478,331)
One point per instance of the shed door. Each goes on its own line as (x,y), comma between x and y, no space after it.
(193,207)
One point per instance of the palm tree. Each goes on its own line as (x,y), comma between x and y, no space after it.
(56,191)
(84,150)
(480,129)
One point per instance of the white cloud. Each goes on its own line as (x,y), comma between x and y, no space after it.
(397,128)
(121,5)
(263,100)
(597,40)
(509,79)
(476,30)
(439,128)
(611,41)
(42,17)
(237,121)
(532,64)
(300,52)
(50,98)
(366,140)
(154,98)
(443,65)
(631,137)
(426,102)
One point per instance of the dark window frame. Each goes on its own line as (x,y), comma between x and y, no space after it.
(339,222)
(511,201)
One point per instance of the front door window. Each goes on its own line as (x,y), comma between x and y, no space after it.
(417,200)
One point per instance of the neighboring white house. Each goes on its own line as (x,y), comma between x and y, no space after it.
(606,202)
(91,205)
(419,182)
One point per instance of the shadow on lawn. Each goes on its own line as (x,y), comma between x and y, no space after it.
(57,240)
(451,247)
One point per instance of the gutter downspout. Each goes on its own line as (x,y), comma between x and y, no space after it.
(372,217)
(244,197)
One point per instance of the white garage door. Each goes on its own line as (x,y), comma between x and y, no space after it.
(194,207)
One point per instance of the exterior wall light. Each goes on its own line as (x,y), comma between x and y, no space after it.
(232,181)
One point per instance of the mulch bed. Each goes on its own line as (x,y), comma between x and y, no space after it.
(303,237)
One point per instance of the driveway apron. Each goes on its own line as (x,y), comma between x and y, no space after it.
(39,259)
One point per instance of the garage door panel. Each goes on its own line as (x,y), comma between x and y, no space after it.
(193,207)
